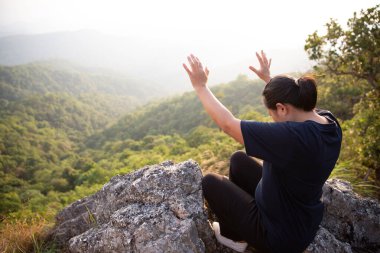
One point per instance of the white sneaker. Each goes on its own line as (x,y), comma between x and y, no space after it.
(237,246)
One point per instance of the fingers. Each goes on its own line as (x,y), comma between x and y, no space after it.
(187,69)
(199,63)
(191,63)
(259,58)
(190,60)
(270,62)
(195,64)
(264,57)
(254,70)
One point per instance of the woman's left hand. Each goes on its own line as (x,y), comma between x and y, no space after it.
(198,75)
(264,71)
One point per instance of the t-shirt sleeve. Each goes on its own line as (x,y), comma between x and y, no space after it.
(271,142)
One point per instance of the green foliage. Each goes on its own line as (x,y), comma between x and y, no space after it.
(339,94)
(354,52)
(10,202)
(62,135)
(65,77)
(50,111)
(181,114)
(350,59)
(47,110)
(362,140)
(91,218)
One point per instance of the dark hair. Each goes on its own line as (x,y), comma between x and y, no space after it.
(301,93)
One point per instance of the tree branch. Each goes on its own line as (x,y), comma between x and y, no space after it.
(368,78)
(341,73)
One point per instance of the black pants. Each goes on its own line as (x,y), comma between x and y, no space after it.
(233,201)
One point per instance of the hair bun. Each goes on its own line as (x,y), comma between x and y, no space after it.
(307,92)
(301,93)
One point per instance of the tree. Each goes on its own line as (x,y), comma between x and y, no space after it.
(354,52)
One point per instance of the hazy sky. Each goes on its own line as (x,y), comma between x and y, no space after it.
(264,24)
(215,29)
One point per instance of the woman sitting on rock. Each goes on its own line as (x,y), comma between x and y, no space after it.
(275,207)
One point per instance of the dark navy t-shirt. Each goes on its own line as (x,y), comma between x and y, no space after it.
(298,159)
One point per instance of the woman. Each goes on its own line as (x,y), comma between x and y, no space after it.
(275,207)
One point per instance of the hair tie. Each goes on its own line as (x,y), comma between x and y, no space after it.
(296,81)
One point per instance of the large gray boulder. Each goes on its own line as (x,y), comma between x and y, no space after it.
(325,242)
(160,208)
(350,222)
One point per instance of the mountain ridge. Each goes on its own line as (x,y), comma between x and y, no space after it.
(158,60)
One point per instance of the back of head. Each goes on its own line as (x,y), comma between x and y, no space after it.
(301,93)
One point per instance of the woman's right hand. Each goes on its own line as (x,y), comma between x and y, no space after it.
(198,75)
(264,72)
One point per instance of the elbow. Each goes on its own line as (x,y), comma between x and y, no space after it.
(232,128)
(227,126)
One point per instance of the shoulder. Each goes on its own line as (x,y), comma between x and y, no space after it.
(327,114)
(330,117)
(266,130)
(250,124)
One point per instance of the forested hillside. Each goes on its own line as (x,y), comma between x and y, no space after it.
(47,110)
(56,147)
(176,128)
(66,130)
(60,76)
(180,114)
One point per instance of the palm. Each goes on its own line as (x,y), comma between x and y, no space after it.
(198,75)
(264,71)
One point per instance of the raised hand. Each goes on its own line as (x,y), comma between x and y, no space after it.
(198,75)
(264,72)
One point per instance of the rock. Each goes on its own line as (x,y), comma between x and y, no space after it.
(324,242)
(350,222)
(160,208)
(350,217)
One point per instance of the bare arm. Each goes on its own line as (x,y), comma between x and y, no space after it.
(220,114)
(217,111)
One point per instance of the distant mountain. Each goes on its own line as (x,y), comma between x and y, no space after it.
(62,76)
(82,46)
(61,92)
(137,58)
(155,60)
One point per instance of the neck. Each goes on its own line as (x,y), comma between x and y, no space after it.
(301,116)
